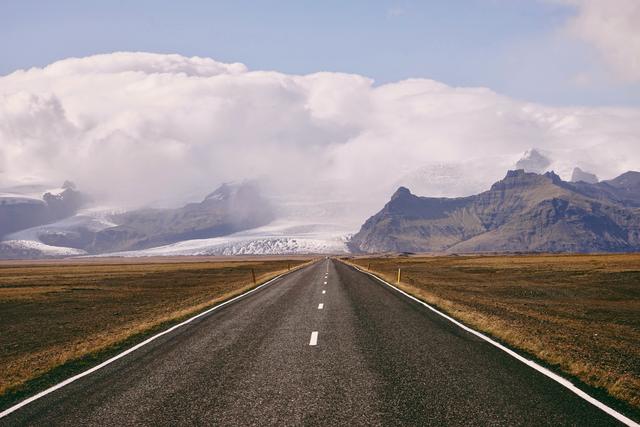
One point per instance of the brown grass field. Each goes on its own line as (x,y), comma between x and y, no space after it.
(580,314)
(53,313)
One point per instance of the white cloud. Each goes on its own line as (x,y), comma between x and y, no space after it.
(613,28)
(143,62)
(138,127)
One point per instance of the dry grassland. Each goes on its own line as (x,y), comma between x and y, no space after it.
(52,313)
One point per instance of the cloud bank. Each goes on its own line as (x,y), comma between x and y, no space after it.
(613,28)
(137,128)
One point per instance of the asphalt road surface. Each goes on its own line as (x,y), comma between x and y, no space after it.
(324,345)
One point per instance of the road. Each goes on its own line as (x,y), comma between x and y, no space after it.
(378,358)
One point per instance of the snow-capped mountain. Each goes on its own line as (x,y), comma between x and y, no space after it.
(234,219)
(23,210)
(244,217)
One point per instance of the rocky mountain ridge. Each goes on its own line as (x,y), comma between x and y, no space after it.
(18,212)
(229,209)
(523,212)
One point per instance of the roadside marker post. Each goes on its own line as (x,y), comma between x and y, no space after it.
(253,275)
(399,276)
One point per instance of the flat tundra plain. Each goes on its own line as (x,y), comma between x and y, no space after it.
(328,338)
(59,317)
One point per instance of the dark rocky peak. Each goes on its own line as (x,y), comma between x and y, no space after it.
(401,193)
(520,179)
(403,202)
(29,212)
(554,177)
(629,181)
(64,202)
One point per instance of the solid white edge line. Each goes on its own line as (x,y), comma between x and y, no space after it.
(557,378)
(314,338)
(134,348)
(320,306)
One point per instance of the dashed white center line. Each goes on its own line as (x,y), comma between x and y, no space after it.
(325,283)
(324,292)
(314,338)
(320,306)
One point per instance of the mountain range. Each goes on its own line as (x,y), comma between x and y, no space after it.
(528,210)
(525,211)
(50,231)
(18,211)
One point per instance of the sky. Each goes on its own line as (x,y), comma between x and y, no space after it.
(525,49)
(157,103)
